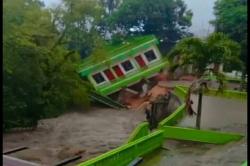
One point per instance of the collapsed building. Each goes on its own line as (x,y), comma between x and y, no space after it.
(129,75)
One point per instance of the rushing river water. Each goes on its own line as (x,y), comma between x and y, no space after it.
(217,114)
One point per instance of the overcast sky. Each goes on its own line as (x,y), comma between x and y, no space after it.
(202,10)
(203,13)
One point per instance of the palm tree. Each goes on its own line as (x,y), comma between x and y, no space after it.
(216,49)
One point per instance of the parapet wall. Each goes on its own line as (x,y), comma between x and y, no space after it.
(141,141)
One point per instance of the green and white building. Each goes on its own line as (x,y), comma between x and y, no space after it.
(125,64)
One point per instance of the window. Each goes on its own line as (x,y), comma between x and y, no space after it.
(98,77)
(118,71)
(127,65)
(140,61)
(109,74)
(150,55)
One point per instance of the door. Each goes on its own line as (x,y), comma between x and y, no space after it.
(140,61)
(109,74)
(118,71)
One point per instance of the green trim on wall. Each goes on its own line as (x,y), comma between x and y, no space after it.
(117,53)
(132,78)
(205,136)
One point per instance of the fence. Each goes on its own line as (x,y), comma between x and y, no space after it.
(141,141)
(230,94)
(205,136)
(124,154)
(140,131)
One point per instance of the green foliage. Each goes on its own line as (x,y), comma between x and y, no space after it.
(166,19)
(110,5)
(78,20)
(217,48)
(231,19)
(39,77)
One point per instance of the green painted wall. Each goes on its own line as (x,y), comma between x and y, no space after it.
(244,164)
(204,136)
(124,154)
(142,142)
(132,78)
(180,92)
(230,94)
(140,131)
(174,117)
(117,52)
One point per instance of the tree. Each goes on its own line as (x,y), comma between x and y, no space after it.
(231,19)
(77,24)
(39,78)
(167,19)
(110,5)
(216,49)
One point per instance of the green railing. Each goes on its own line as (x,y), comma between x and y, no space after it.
(244,164)
(230,94)
(180,92)
(174,117)
(141,141)
(204,136)
(140,131)
(124,154)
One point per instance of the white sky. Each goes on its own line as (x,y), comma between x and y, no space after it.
(202,14)
(52,2)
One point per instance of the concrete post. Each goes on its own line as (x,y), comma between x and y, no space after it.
(198,117)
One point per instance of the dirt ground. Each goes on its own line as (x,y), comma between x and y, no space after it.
(134,101)
(87,133)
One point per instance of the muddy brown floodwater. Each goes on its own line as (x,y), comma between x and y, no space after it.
(87,133)
(217,114)
(98,130)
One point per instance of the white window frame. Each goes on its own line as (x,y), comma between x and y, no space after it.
(156,54)
(104,76)
(123,69)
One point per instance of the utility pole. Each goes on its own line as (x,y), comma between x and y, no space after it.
(198,117)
